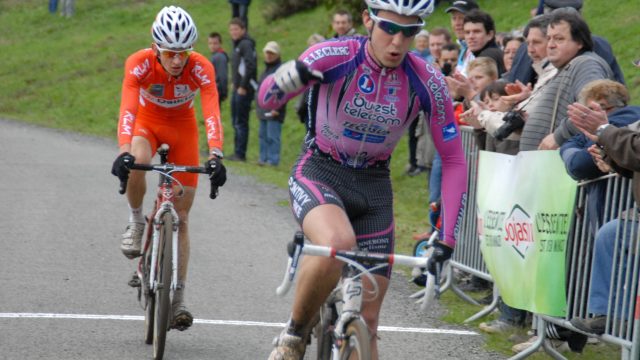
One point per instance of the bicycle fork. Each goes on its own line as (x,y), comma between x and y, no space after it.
(157,223)
(352,298)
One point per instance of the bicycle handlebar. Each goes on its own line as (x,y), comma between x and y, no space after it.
(168,169)
(297,248)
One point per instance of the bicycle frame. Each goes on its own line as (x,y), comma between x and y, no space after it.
(350,286)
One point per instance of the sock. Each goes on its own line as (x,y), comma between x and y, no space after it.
(294,328)
(136,215)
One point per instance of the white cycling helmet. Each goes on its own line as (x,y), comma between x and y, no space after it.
(174,29)
(420,8)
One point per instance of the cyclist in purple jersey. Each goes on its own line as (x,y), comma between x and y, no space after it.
(365,91)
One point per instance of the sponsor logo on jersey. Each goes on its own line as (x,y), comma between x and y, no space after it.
(449,132)
(274,91)
(156,89)
(198,71)
(371,133)
(328,133)
(141,70)
(167,103)
(366,84)
(440,95)
(392,94)
(360,108)
(324,52)
(126,127)
(181,90)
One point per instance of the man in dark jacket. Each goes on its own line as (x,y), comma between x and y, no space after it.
(270,121)
(243,76)
(220,61)
(480,35)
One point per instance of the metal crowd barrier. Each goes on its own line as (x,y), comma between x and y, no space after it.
(623,313)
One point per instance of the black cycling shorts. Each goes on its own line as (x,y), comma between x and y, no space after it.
(364,194)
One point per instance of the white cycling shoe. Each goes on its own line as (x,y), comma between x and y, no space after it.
(132,240)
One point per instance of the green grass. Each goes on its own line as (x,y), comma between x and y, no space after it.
(66,73)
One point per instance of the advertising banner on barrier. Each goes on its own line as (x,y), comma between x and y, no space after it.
(524,210)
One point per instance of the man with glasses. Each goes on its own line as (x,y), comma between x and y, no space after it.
(159,87)
(365,93)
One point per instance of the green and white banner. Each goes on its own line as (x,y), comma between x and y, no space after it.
(525,205)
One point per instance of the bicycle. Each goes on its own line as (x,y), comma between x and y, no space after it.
(340,329)
(157,270)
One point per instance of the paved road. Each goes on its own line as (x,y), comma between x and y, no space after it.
(63,292)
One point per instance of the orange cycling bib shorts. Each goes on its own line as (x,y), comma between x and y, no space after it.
(159,108)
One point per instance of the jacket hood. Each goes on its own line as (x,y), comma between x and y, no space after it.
(624,116)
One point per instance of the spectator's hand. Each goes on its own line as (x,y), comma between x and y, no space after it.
(241,91)
(441,253)
(548,143)
(294,75)
(471,116)
(597,154)
(120,167)
(586,119)
(459,86)
(516,92)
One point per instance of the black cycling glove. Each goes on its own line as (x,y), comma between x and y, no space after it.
(441,253)
(218,173)
(120,167)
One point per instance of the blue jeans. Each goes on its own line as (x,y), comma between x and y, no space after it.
(240,109)
(435,188)
(269,134)
(53,6)
(603,264)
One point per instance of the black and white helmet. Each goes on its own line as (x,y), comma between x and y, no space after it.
(420,8)
(174,29)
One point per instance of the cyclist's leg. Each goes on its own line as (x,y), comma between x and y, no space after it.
(371,310)
(141,148)
(326,225)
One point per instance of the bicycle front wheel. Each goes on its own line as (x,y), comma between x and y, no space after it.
(150,304)
(324,331)
(162,295)
(357,343)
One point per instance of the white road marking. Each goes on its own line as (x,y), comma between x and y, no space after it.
(216,322)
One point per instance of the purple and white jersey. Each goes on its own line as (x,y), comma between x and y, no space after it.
(359,112)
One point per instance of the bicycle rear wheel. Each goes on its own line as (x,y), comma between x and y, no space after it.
(162,295)
(324,331)
(357,343)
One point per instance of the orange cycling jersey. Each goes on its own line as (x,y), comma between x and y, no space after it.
(151,95)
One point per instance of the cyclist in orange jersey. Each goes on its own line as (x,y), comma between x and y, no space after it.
(158,91)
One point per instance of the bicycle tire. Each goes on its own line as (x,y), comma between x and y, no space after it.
(357,341)
(323,331)
(162,295)
(149,300)
(150,303)
(421,247)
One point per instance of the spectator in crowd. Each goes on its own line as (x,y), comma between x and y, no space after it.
(620,147)
(53,6)
(438,37)
(613,97)
(448,58)
(220,61)
(302,110)
(243,77)
(342,24)
(240,9)
(270,121)
(569,43)
(457,10)
(67,8)
(479,34)
(511,46)
(421,43)
(521,69)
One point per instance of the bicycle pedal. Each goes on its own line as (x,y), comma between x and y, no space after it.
(135,282)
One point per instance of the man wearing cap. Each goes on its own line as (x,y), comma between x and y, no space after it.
(458,10)
(270,120)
